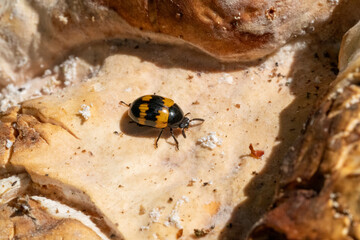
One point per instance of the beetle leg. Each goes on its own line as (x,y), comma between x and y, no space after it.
(183,132)
(156,142)
(122,102)
(176,141)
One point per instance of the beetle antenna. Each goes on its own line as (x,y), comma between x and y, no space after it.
(197,119)
(186,114)
(122,102)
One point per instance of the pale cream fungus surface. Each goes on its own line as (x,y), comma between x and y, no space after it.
(103,162)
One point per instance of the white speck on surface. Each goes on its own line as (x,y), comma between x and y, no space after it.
(8,144)
(186,199)
(288,81)
(144,228)
(194,179)
(50,85)
(47,72)
(129,89)
(10,96)
(154,215)
(226,78)
(85,111)
(335,204)
(354,99)
(63,19)
(317,79)
(333,2)
(62,211)
(210,141)
(333,195)
(69,68)
(174,218)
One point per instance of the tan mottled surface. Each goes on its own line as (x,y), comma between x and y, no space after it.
(113,167)
(109,168)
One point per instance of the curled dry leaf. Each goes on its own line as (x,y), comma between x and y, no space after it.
(255,153)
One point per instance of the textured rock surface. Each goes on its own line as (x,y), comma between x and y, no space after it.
(107,168)
(36,35)
(26,219)
(111,167)
(320,176)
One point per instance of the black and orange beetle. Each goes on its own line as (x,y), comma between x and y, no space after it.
(159,112)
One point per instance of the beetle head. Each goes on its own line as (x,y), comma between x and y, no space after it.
(186,122)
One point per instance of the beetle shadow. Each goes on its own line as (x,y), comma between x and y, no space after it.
(130,128)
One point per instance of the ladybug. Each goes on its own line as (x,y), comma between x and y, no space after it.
(159,112)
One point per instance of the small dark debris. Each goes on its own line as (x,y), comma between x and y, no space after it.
(334,70)
(179,233)
(202,232)
(326,54)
